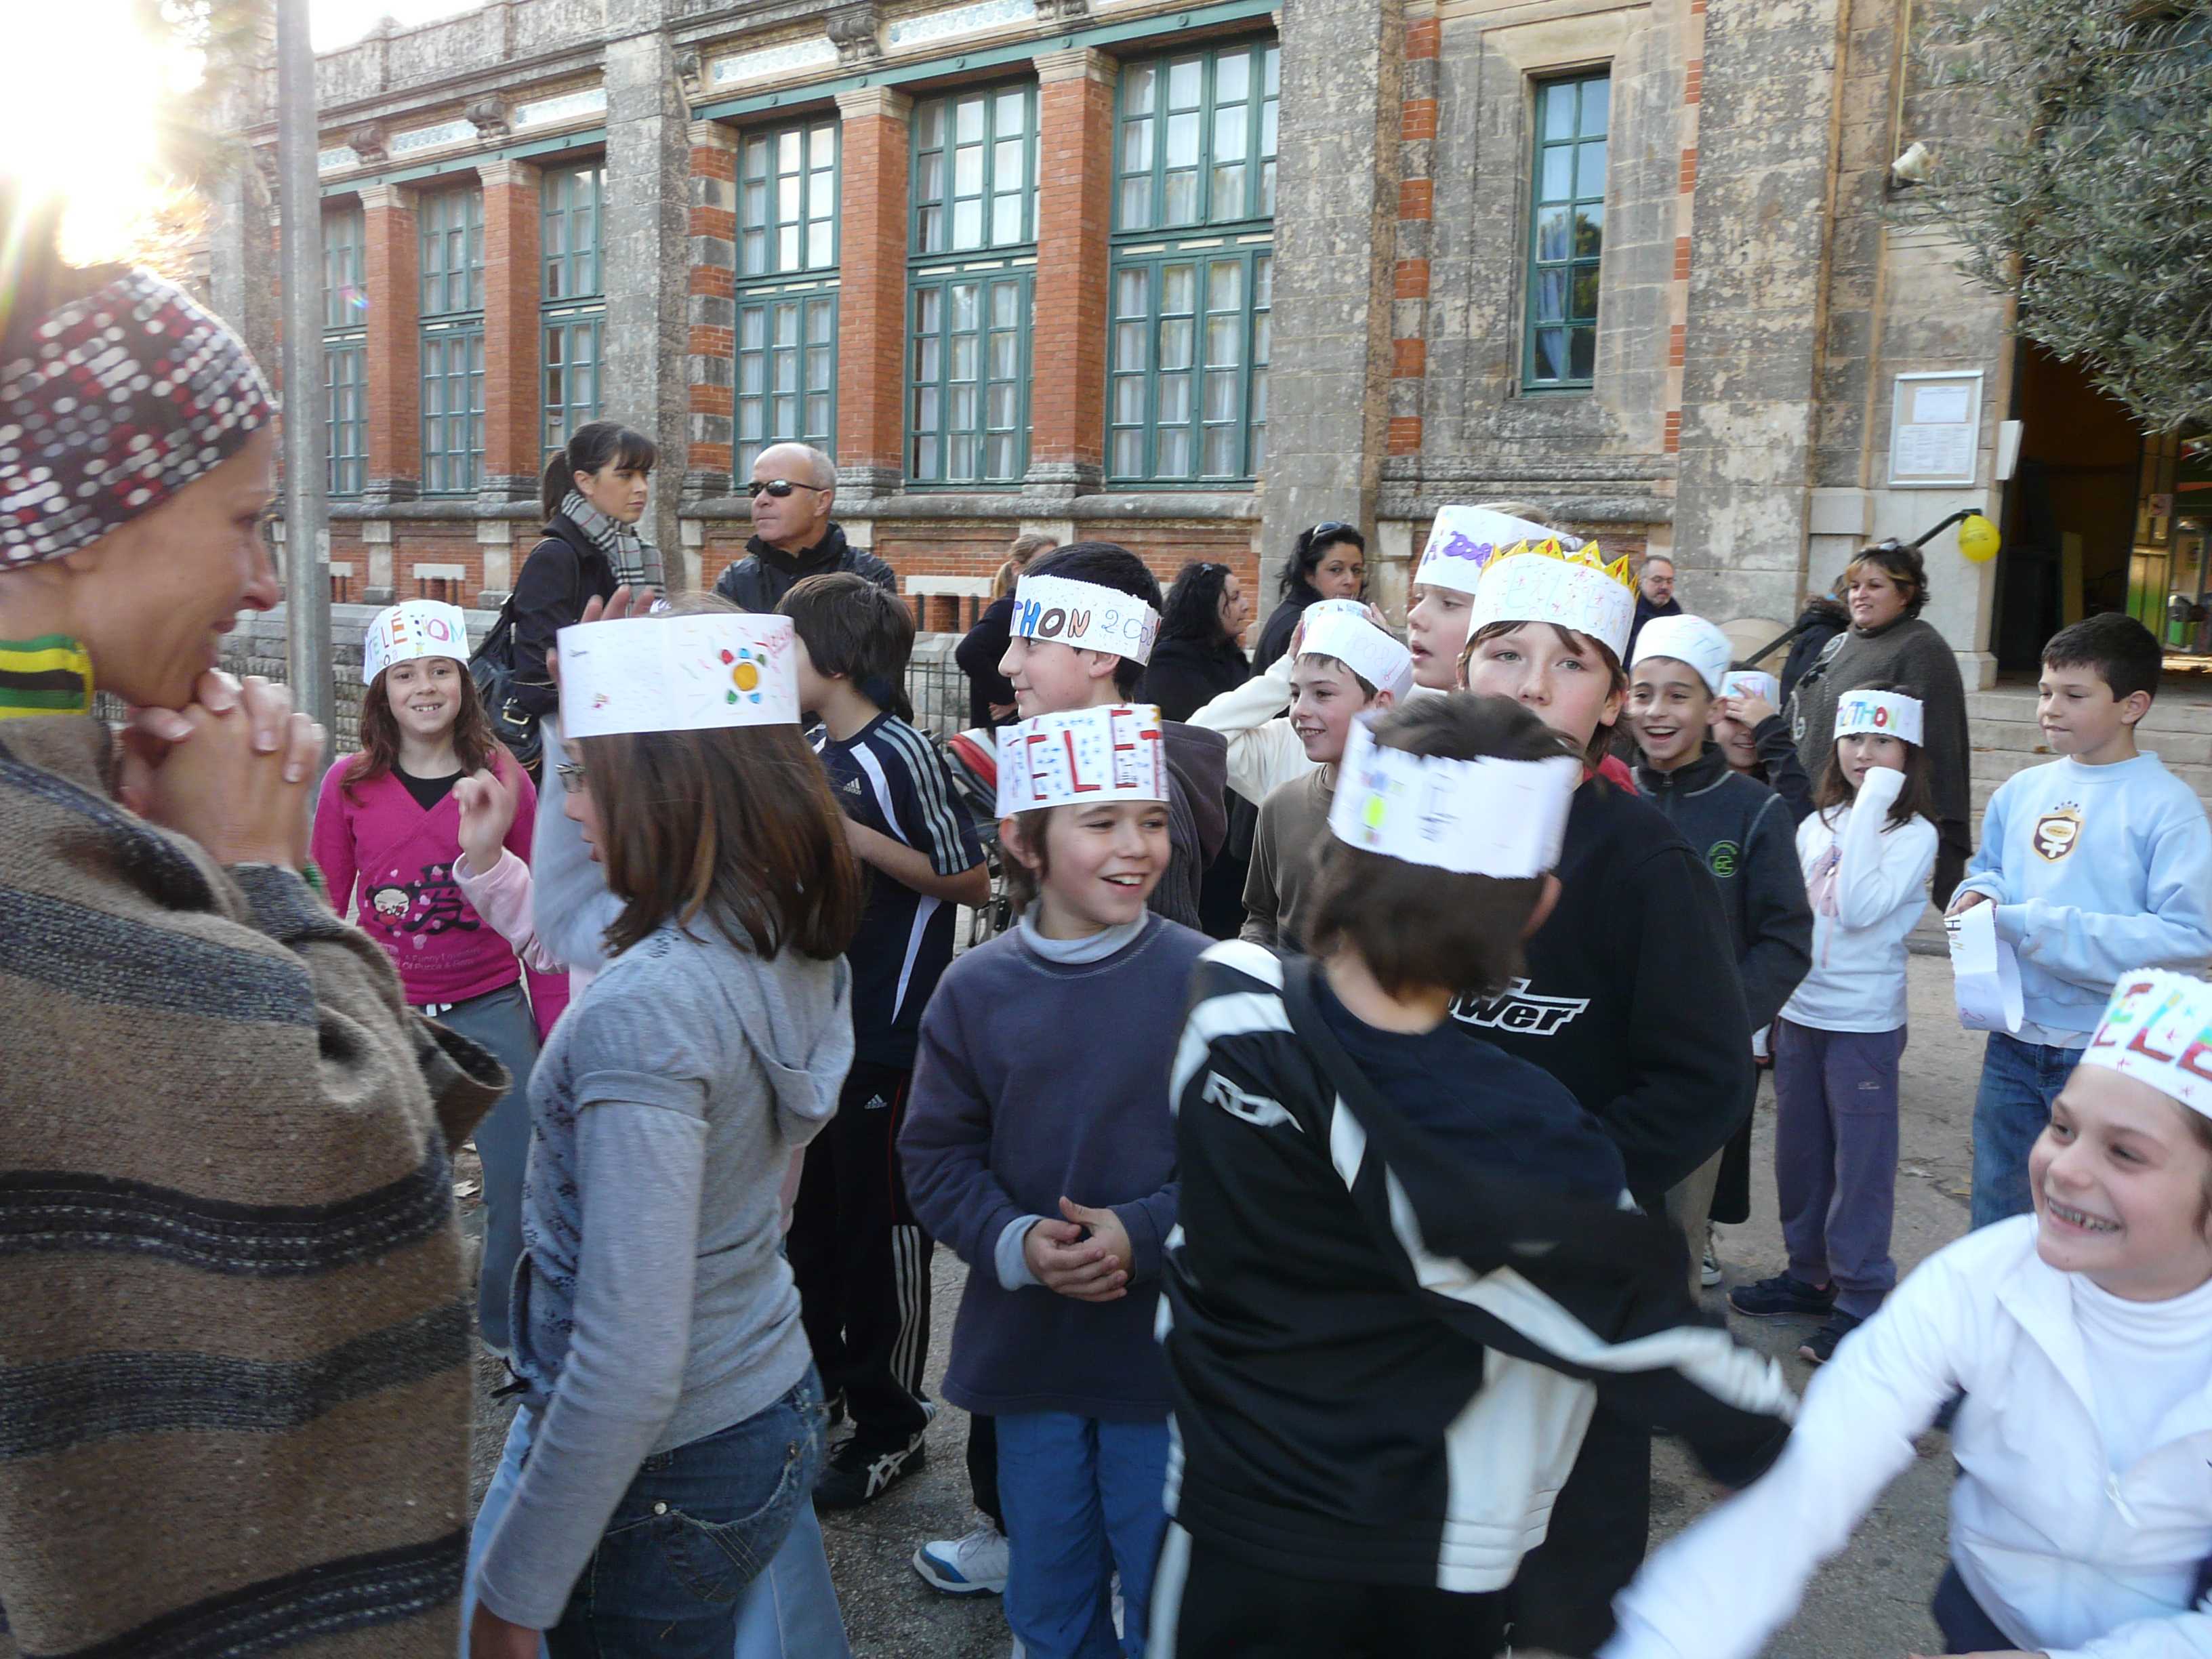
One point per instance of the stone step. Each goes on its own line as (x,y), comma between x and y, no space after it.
(2177,747)
(1994,765)
(2185,708)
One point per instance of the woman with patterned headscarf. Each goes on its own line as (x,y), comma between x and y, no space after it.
(233,1363)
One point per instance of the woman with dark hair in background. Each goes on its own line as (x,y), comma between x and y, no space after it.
(1329,562)
(594,492)
(1195,661)
(1887,643)
(990,695)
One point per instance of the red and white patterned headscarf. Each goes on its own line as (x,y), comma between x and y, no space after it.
(121,399)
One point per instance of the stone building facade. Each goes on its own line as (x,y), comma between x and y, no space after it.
(1191,277)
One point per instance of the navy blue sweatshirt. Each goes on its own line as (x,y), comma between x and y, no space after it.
(1036,1080)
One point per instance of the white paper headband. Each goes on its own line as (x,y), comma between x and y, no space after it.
(418,628)
(1746,683)
(1341,628)
(1481,818)
(1085,615)
(1691,640)
(694,674)
(1464,540)
(1886,713)
(2158,1029)
(1084,756)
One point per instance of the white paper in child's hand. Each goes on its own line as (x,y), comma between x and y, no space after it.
(689,673)
(1986,974)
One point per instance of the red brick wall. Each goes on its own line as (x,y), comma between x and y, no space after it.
(513,279)
(1075,130)
(394,357)
(871,288)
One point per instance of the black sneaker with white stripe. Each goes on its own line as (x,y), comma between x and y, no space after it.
(857,1473)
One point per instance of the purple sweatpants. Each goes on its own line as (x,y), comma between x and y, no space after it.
(1835,1157)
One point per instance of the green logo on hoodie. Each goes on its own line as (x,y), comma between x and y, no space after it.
(1721,857)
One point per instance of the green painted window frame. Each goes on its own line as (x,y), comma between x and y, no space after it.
(345,349)
(1195,137)
(572,305)
(788,178)
(785,385)
(990,443)
(936,184)
(450,230)
(574,342)
(1566,231)
(453,408)
(1186,371)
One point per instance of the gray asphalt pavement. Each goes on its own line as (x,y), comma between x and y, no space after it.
(1870,1603)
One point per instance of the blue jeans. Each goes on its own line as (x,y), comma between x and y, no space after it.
(501,1021)
(788,1611)
(2019,1082)
(1082,1498)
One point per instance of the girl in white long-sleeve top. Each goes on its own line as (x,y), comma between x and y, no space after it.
(2081,1335)
(1867,852)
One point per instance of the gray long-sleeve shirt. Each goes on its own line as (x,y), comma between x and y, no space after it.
(653,1305)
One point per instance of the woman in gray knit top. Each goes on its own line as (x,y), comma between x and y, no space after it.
(1888,644)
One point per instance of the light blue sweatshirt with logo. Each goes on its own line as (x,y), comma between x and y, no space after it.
(2096,871)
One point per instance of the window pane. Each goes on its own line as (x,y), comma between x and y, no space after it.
(1557,184)
(1137,202)
(1005,305)
(1589,172)
(968,170)
(1551,296)
(1137,89)
(1224,285)
(787,248)
(1128,453)
(1596,97)
(1220,451)
(1589,230)
(1224,340)
(1013,114)
(1175,448)
(1174,399)
(968,224)
(1183,82)
(819,253)
(1178,288)
(1007,219)
(931,186)
(968,121)
(1558,119)
(1584,363)
(933,125)
(1221,395)
(1584,296)
(1129,345)
(1551,353)
(1232,77)
(964,313)
(1137,146)
(1181,203)
(1128,400)
(1183,140)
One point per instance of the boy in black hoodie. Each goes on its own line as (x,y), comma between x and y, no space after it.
(1406,1273)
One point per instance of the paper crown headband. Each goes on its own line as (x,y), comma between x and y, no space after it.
(1691,640)
(1464,540)
(1887,713)
(1081,757)
(692,673)
(2158,1028)
(419,628)
(1744,682)
(1547,583)
(1480,817)
(1341,628)
(1085,615)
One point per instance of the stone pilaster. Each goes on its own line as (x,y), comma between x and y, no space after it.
(1335,254)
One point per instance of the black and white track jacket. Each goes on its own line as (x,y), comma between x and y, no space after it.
(1382,1354)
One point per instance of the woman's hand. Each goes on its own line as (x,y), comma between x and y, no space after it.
(622,603)
(491,1637)
(488,807)
(236,783)
(149,734)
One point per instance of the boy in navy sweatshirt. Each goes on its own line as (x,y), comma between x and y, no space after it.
(1407,1270)
(1039,1145)
(2098,863)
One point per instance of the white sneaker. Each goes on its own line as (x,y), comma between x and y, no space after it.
(1709,1271)
(973,1565)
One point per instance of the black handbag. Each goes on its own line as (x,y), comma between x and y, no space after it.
(491,666)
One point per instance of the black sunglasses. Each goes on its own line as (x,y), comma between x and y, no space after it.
(1320,531)
(780,488)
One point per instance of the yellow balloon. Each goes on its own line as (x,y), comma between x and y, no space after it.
(1978,539)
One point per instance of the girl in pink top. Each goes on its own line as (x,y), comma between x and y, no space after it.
(386,836)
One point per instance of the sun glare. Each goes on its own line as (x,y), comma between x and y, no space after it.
(82,128)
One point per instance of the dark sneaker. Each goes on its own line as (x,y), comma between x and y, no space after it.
(1820,1346)
(856,1474)
(1782,1297)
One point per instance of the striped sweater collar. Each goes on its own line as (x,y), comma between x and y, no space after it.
(49,675)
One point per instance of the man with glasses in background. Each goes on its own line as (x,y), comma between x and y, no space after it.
(793,488)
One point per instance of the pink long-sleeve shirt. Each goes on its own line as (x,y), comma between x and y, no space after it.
(377,846)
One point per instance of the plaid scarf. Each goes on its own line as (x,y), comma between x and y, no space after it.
(50,675)
(636,561)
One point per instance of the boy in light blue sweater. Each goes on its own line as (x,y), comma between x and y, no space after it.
(2097,863)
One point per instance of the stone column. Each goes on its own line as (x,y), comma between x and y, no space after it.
(1751,372)
(1075,146)
(513,337)
(872,210)
(242,261)
(391,265)
(713,312)
(1335,252)
(647,254)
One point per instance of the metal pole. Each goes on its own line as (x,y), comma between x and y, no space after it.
(307,502)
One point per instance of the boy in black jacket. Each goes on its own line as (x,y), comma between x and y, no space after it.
(1406,1272)
(1744,832)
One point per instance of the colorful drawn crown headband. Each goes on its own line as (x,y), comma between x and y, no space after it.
(1545,582)
(683,673)
(1085,615)
(121,399)
(1885,714)
(1084,756)
(1464,540)
(1480,817)
(2158,1029)
(415,627)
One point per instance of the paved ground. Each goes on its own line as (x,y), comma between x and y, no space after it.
(1870,1604)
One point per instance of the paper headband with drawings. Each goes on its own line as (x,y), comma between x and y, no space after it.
(1083,756)
(2158,1029)
(690,673)
(1885,714)
(1548,583)
(416,627)
(1480,817)
(1341,628)
(1085,615)
(1464,540)
(1750,682)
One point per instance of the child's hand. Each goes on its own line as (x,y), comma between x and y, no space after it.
(1964,903)
(488,808)
(1070,1265)
(1749,710)
(1106,1228)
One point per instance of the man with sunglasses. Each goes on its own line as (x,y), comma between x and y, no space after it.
(793,488)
